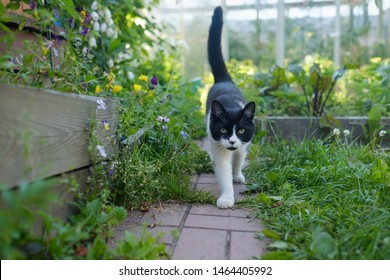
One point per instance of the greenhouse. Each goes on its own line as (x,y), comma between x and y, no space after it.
(195,130)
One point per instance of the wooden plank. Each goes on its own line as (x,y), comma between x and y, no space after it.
(45,133)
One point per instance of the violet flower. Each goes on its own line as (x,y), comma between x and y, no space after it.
(84,31)
(154,82)
(32,4)
(112,168)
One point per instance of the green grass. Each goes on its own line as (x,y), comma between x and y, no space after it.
(322,200)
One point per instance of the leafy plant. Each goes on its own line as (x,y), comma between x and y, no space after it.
(316,86)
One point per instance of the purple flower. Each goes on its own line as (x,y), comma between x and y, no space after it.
(87,18)
(165,128)
(154,82)
(32,4)
(105,124)
(71,22)
(101,150)
(183,135)
(112,168)
(84,30)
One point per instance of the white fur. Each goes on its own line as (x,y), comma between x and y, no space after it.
(227,165)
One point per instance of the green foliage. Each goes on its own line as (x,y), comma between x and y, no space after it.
(316,86)
(322,200)
(28,231)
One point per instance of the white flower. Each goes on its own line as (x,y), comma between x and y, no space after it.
(346,132)
(110,63)
(140,22)
(85,50)
(163,119)
(107,13)
(110,32)
(382,133)
(130,75)
(115,35)
(92,42)
(96,26)
(103,27)
(95,16)
(101,104)
(110,22)
(336,132)
(94,5)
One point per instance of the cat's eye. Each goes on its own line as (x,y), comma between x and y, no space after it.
(241,131)
(223,130)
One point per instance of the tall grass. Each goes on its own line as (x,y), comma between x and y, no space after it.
(322,200)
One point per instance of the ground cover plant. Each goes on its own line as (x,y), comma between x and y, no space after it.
(322,199)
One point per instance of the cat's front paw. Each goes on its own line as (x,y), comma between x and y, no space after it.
(239,178)
(225,202)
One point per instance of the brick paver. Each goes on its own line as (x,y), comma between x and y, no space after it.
(200,231)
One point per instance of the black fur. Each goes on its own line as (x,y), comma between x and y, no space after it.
(225,102)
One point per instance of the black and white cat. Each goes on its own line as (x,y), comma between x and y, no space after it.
(229,118)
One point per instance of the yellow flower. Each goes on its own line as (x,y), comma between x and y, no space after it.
(111,77)
(45,50)
(137,88)
(116,88)
(143,78)
(150,93)
(98,89)
(83,14)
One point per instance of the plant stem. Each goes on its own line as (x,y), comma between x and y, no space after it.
(326,98)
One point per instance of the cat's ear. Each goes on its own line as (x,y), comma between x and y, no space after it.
(217,108)
(249,110)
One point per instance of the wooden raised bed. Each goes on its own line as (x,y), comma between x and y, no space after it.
(45,133)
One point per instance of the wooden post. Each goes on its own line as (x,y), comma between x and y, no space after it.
(337,34)
(280,33)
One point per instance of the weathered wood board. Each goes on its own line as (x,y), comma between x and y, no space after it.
(45,133)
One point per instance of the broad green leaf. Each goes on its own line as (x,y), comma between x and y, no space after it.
(279,245)
(298,73)
(338,74)
(264,198)
(324,246)
(278,76)
(282,255)
(270,234)
(13,6)
(315,75)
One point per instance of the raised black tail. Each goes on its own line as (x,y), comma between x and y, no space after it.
(218,67)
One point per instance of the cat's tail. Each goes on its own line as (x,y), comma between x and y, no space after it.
(218,67)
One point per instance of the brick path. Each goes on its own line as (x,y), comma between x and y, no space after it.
(200,231)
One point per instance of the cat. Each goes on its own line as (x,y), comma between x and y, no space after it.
(229,119)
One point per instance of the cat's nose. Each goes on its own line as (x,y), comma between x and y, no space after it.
(232,142)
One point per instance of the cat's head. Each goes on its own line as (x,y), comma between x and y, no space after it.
(232,127)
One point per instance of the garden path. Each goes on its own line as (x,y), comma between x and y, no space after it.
(199,231)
